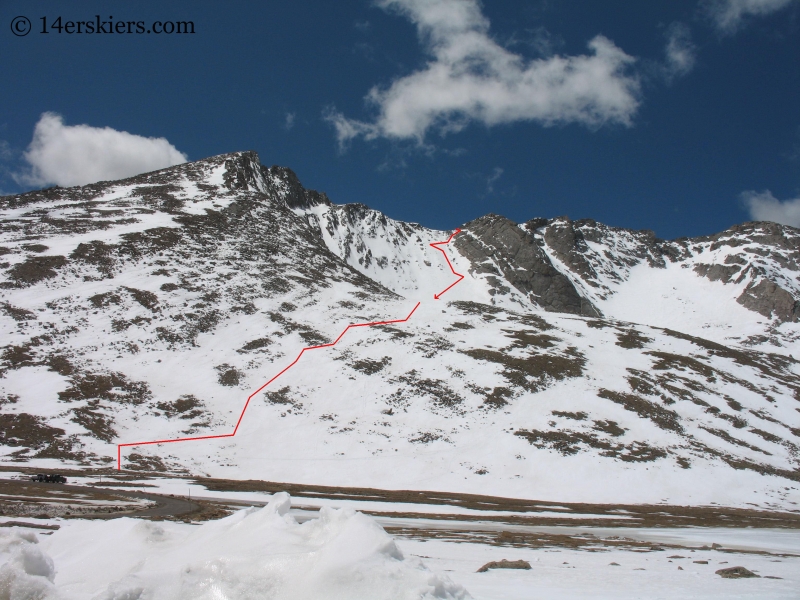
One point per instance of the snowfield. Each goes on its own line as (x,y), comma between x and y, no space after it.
(575,362)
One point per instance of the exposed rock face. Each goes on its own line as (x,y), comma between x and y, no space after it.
(292,192)
(762,259)
(558,265)
(769,299)
(498,246)
(763,256)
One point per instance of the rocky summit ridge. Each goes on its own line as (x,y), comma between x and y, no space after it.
(574,361)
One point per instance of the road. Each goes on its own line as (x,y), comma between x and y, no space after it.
(165,506)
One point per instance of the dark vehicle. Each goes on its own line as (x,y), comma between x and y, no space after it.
(54,478)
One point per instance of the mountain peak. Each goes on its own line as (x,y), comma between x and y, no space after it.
(153,306)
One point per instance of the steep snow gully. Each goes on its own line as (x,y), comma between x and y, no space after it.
(436,245)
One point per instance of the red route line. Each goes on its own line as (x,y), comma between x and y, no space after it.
(293,363)
(449,264)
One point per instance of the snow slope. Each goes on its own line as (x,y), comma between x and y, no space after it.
(573,362)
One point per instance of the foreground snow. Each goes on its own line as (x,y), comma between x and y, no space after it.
(254,553)
(266,554)
(566,574)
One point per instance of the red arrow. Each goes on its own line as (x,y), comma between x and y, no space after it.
(449,264)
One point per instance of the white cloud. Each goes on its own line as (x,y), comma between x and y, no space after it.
(5,151)
(680,51)
(289,122)
(728,15)
(470,77)
(497,172)
(763,206)
(69,155)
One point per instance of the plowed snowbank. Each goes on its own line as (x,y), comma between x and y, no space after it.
(254,553)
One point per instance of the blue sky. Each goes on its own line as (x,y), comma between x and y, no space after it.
(682,117)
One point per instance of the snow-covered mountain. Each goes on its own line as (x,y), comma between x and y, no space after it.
(574,361)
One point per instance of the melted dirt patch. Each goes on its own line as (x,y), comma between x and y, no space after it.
(577,416)
(36,269)
(534,372)
(18,314)
(498,398)
(632,339)
(369,366)
(228,376)
(99,424)
(37,438)
(568,443)
(664,418)
(253,345)
(186,407)
(113,387)
(440,395)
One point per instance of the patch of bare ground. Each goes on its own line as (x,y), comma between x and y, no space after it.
(254,345)
(632,339)
(773,366)
(577,416)
(427,437)
(671,387)
(228,375)
(140,462)
(475,308)
(37,439)
(663,417)
(536,371)
(185,407)
(396,333)
(431,345)
(369,366)
(528,339)
(609,427)
(21,498)
(94,421)
(280,396)
(208,511)
(112,387)
(35,269)
(18,314)
(571,442)
(147,299)
(735,573)
(310,336)
(284,397)
(497,398)
(734,441)
(99,254)
(440,395)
